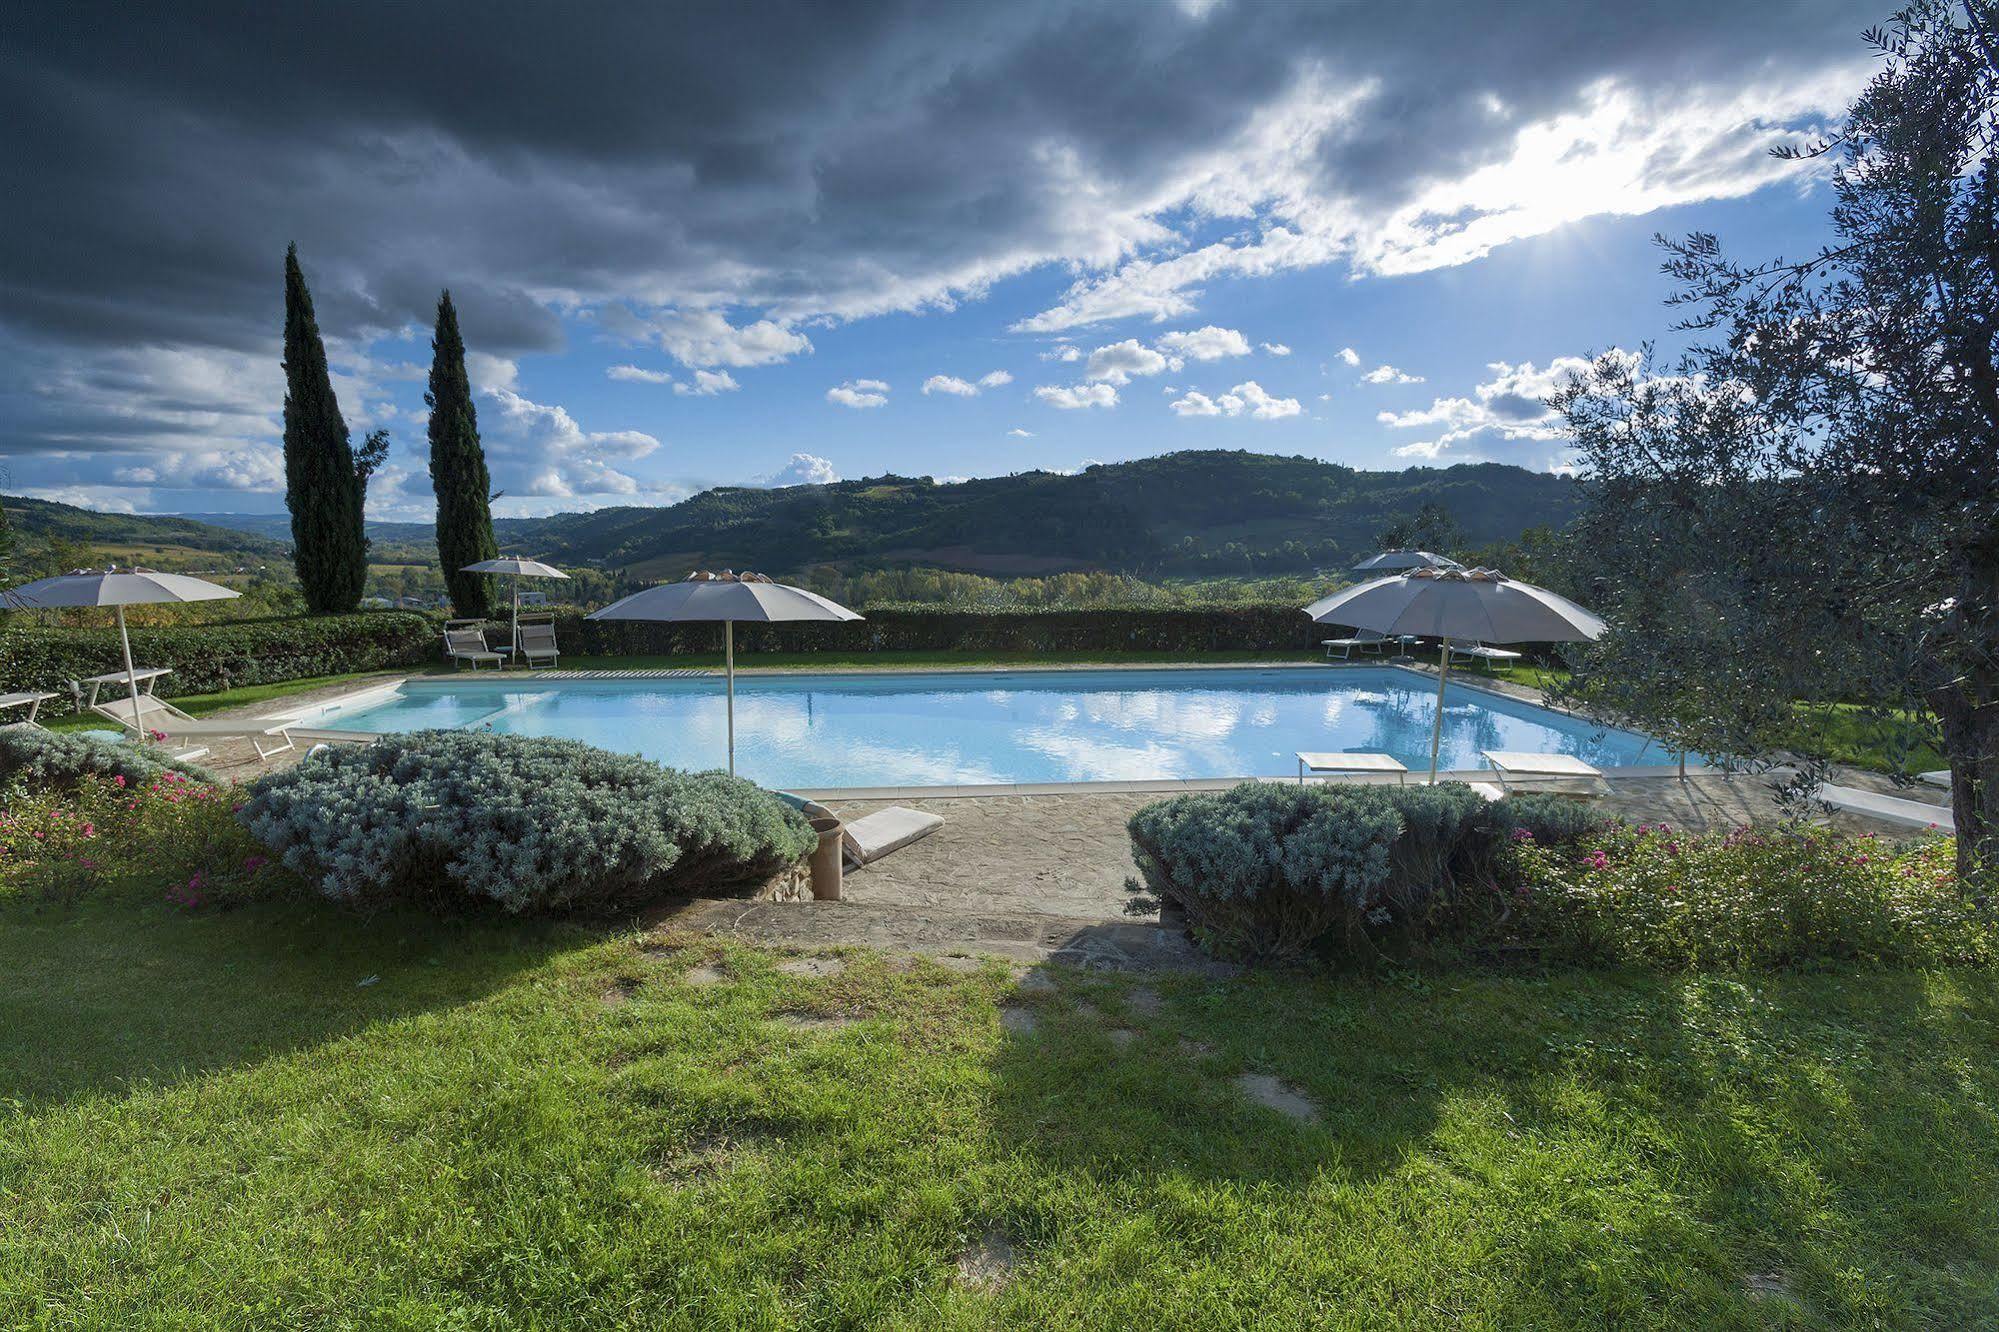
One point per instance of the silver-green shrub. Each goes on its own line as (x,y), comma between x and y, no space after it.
(528,823)
(1262,870)
(34,759)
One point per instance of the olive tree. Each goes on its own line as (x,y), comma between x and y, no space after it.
(1805,506)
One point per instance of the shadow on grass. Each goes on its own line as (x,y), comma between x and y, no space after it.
(1826,1142)
(101,995)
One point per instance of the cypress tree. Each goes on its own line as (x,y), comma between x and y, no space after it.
(324,488)
(458,471)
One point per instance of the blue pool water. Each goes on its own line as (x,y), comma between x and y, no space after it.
(911,729)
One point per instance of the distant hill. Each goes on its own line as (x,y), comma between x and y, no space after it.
(146,535)
(1192,513)
(1207,512)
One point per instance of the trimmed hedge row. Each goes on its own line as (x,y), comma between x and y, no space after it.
(1245,628)
(206,658)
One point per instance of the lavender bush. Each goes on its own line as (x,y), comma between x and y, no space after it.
(530,824)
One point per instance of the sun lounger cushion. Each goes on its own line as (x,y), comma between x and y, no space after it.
(870,838)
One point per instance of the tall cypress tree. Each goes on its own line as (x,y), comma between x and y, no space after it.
(324,488)
(458,471)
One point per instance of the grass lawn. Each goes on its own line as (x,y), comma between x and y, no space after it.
(201,705)
(282,1116)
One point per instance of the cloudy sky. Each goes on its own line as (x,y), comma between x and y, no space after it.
(766,242)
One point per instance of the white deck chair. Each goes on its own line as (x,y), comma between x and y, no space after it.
(538,644)
(871,837)
(183,731)
(468,643)
(32,700)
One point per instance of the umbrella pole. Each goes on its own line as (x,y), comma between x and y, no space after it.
(131,674)
(729,660)
(515,649)
(1437,730)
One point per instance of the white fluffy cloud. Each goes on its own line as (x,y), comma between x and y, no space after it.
(1388,374)
(1118,362)
(257,468)
(633,374)
(707,383)
(1349,356)
(951,384)
(1206,344)
(995,379)
(804,469)
(1249,398)
(706,338)
(1276,349)
(859,394)
(1510,406)
(539,450)
(1065,353)
(1018,433)
(1073,397)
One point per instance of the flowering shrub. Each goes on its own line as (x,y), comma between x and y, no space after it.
(169,833)
(32,759)
(1750,898)
(529,823)
(1262,870)
(1545,820)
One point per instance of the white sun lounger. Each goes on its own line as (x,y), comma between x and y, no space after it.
(156,714)
(1484,655)
(1343,764)
(1552,774)
(469,644)
(538,645)
(1889,809)
(32,700)
(873,836)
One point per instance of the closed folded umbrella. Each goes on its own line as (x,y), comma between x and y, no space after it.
(519,569)
(727,597)
(1477,604)
(118,589)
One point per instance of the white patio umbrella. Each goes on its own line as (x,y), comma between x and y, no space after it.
(727,597)
(1479,604)
(519,569)
(111,587)
(1389,561)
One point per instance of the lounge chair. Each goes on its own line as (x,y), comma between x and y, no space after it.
(467,642)
(538,644)
(1550,774)
(1364,639)
(32,700)
(1484,655)
(1346,763)
(873,836)
(156,716)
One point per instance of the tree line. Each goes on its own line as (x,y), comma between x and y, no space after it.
(326,478)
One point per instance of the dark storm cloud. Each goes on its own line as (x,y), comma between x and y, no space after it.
(789,159)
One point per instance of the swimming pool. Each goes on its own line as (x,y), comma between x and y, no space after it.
(997,727)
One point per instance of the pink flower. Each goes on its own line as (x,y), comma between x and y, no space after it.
(1522,835)
(254,863)
(90,830)
(118,780)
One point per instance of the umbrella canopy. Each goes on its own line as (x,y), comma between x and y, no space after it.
(117,589)
(112,587)
(519,569)
(727,597)
(1478,604)
(1390,560)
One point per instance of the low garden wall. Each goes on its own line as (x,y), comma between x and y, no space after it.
(206,658)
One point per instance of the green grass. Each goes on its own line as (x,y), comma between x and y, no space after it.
(211,1121)
(200,705)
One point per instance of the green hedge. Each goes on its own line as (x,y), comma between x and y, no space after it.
(1245,628)
(206,658)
